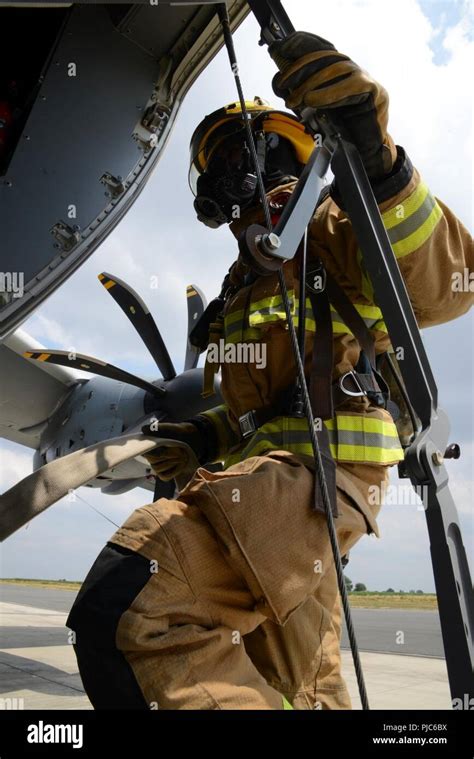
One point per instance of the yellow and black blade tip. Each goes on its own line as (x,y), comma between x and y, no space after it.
(196,305)
(137,312)
(93,365)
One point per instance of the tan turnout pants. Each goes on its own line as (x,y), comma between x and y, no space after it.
(241,609)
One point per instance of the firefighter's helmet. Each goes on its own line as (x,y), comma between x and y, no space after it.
(221,173)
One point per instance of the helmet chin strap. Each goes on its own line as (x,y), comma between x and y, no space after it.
(302,402)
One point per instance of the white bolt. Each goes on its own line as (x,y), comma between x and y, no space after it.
(271,241)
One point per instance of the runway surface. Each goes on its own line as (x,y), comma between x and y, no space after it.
(38,668)
(397,631)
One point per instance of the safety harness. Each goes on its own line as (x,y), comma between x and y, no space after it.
(322,291)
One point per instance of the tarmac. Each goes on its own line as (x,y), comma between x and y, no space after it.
(38,668)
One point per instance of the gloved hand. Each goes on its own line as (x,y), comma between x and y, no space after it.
(314,74)
(168,462)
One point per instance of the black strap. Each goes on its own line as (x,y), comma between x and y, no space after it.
(320,390)
(351,318)
(324,396)
(374,384)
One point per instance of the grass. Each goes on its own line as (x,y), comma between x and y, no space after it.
(365,599)
(377,600)
(57,584)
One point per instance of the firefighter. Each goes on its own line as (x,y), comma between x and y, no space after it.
(226,596)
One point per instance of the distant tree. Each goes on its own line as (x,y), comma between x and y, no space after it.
(420,591)
(390,590)
(359,586)
(401,591)
(349,584)
(412,591)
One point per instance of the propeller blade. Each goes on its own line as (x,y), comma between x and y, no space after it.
(196,305)
(89,364)
(138,314)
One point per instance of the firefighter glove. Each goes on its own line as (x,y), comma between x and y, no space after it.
(314,74)
(169,461)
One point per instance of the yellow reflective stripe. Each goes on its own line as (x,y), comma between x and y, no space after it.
(270,309)
(264,318)
(422,234)
(406,208)
(286,704)
(360,438)
(411,222)
(234,316)
(247,336)
(362,423)
(351,438)
(218,416)
(368,313)
(344,452)
(310,324)
(380,326)
(270,301)
(235,331)
(231,459)
(338,326)
(347,425)
(366,454)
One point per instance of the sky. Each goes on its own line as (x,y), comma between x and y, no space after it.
(421,53)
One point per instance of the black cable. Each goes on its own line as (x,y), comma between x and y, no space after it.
(229,43)
(96,510)
(321,478)
(303,388)
(302,294)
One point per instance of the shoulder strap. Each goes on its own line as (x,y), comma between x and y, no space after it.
(351,317)
(320,382)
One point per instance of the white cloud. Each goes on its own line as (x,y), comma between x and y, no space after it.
(16,463)
(431,111)
(46,329)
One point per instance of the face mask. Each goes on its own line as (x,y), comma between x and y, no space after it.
(227,186)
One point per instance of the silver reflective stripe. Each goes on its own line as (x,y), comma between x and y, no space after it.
(414,222)
(336,437)
(363,439)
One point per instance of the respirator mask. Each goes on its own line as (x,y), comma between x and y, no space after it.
(229,184)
